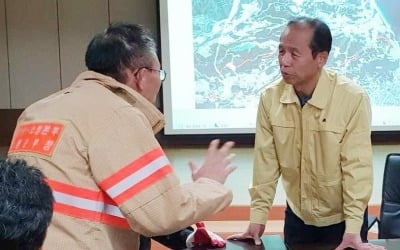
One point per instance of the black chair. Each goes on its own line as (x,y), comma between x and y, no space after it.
(389,218)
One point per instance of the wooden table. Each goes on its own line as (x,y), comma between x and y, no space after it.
(270,242)
(393,244)
(275,242)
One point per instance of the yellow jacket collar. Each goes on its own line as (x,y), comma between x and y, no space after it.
(319,98)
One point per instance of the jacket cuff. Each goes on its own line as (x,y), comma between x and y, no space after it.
(258,217)
(221,186)
(353,226)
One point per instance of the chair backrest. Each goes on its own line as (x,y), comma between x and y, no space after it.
(390,208)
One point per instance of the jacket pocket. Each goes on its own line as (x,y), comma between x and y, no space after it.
(325,147)
(328,133)
(329,195)
(284,133)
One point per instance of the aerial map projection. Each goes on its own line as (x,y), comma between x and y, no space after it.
(235,45)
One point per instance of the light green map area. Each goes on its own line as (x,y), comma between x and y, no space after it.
(236,41)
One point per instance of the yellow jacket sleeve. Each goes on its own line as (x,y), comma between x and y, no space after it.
(356,163)
(266,170)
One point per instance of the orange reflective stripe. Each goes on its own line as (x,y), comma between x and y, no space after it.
(36,137)
(90,215)
(143,184)
(132,167)
(86,204)
(81,192)
(137,175)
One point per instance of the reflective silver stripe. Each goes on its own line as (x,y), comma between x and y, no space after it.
(96,206)
(138,176)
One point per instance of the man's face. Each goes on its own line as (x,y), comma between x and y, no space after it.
(153,85)
(297,65)
(146,80)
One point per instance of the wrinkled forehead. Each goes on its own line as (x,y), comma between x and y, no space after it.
(297,35)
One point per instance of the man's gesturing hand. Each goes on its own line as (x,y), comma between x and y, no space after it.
(217,164)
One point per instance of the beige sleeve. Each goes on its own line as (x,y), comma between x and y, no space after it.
(153,201)
(266,169)
(179,207)
(356,161)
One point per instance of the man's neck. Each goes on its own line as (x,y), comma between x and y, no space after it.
(307,89)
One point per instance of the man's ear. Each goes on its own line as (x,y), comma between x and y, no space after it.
(322,58)
(140,80)
(134,79)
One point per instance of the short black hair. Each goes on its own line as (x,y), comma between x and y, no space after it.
(120,46)
(26,206)
(322,37)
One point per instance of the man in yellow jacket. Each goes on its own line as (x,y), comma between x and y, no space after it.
(313,129)
(95,143)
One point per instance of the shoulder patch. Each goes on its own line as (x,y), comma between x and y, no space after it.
(36,137)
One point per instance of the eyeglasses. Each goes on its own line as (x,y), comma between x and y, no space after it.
(162,73)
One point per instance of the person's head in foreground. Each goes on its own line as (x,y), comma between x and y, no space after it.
(26,206)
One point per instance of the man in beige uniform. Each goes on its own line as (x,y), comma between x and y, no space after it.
(313,130)
(95,143)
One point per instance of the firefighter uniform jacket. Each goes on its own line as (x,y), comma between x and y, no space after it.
(110,178)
